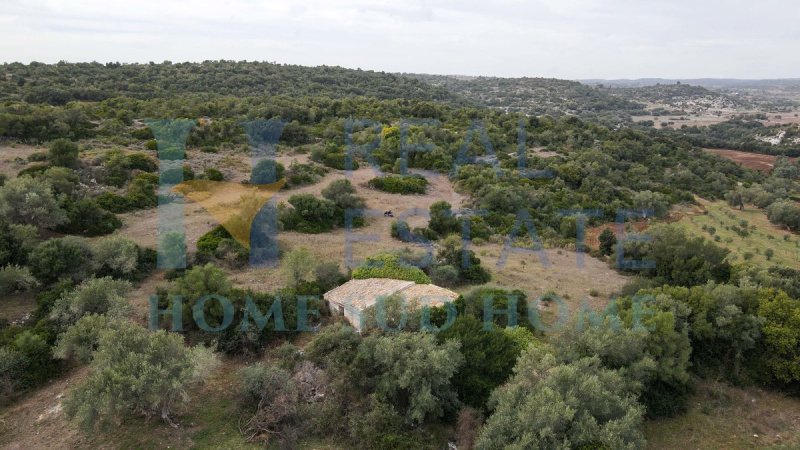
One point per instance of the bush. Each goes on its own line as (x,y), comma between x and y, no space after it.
(400,184)
(445,275)
(12,367)
(30,201)
(63,152)
(213,174)
(442,220)
(302,174)
(67,257)
(781,330)
(15,278)
(489,357)
(93,296)
(115,256)
(452,254)
(472,304)
(308,214)
(551,405)
(87,218)
(141,161)
(37,157)
(219,245)
(146,373)
(679,259)
(141,195)
(62,180)
(328,276)
(267,171)
(390,266)
(33,171)
(334,159)
(36,357)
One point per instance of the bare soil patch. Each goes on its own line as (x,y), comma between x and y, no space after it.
(757,161)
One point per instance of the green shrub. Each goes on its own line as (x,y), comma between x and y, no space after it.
(267,171)
(308,214)
(67,257)
(213,174)
(333,159)
(87,218)
(389,266)
(400,184)
(302,174)
(37,157)
(16,279)
(34,170)
(93,296)
(63,152)
(38,364)
(141,161)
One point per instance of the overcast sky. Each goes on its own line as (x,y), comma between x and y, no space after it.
(572,39)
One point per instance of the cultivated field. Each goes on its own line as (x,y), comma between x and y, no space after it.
(756,161)
(762,234)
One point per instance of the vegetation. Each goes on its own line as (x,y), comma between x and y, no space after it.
(398,184)
(715,298)
(145,373)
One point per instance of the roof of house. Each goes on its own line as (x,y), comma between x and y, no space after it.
(361,294)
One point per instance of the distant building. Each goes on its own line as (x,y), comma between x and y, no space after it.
(352,298)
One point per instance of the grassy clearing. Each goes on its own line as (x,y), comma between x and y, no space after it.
(762,235)
(722,416)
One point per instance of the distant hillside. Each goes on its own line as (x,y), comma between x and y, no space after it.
(535,95)
(60,83)
(684,97)
(712,83)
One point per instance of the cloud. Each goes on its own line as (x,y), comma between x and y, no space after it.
(555,38)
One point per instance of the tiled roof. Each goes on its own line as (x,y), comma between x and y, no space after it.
(361,294)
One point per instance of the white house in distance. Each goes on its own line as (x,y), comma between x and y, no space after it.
(353,297)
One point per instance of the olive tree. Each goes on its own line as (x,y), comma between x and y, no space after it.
(548,404)
(94,296)
(30,201)
(137,372)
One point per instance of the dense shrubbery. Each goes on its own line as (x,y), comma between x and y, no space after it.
(548,404)
(398,184)
(219,245)
(302,174)
(141,194)
(87,218)
(390,266)
(372,392)
(676,258)
(146,373)
(310,214)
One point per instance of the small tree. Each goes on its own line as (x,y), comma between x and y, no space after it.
(442,220)
(489,357)
(115,255)
(343,194)
(30,201)
(297,266)
(94,296)
(136,372)
(552,405)
(607,241)
(63,152)
(15,278)
(67,257)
